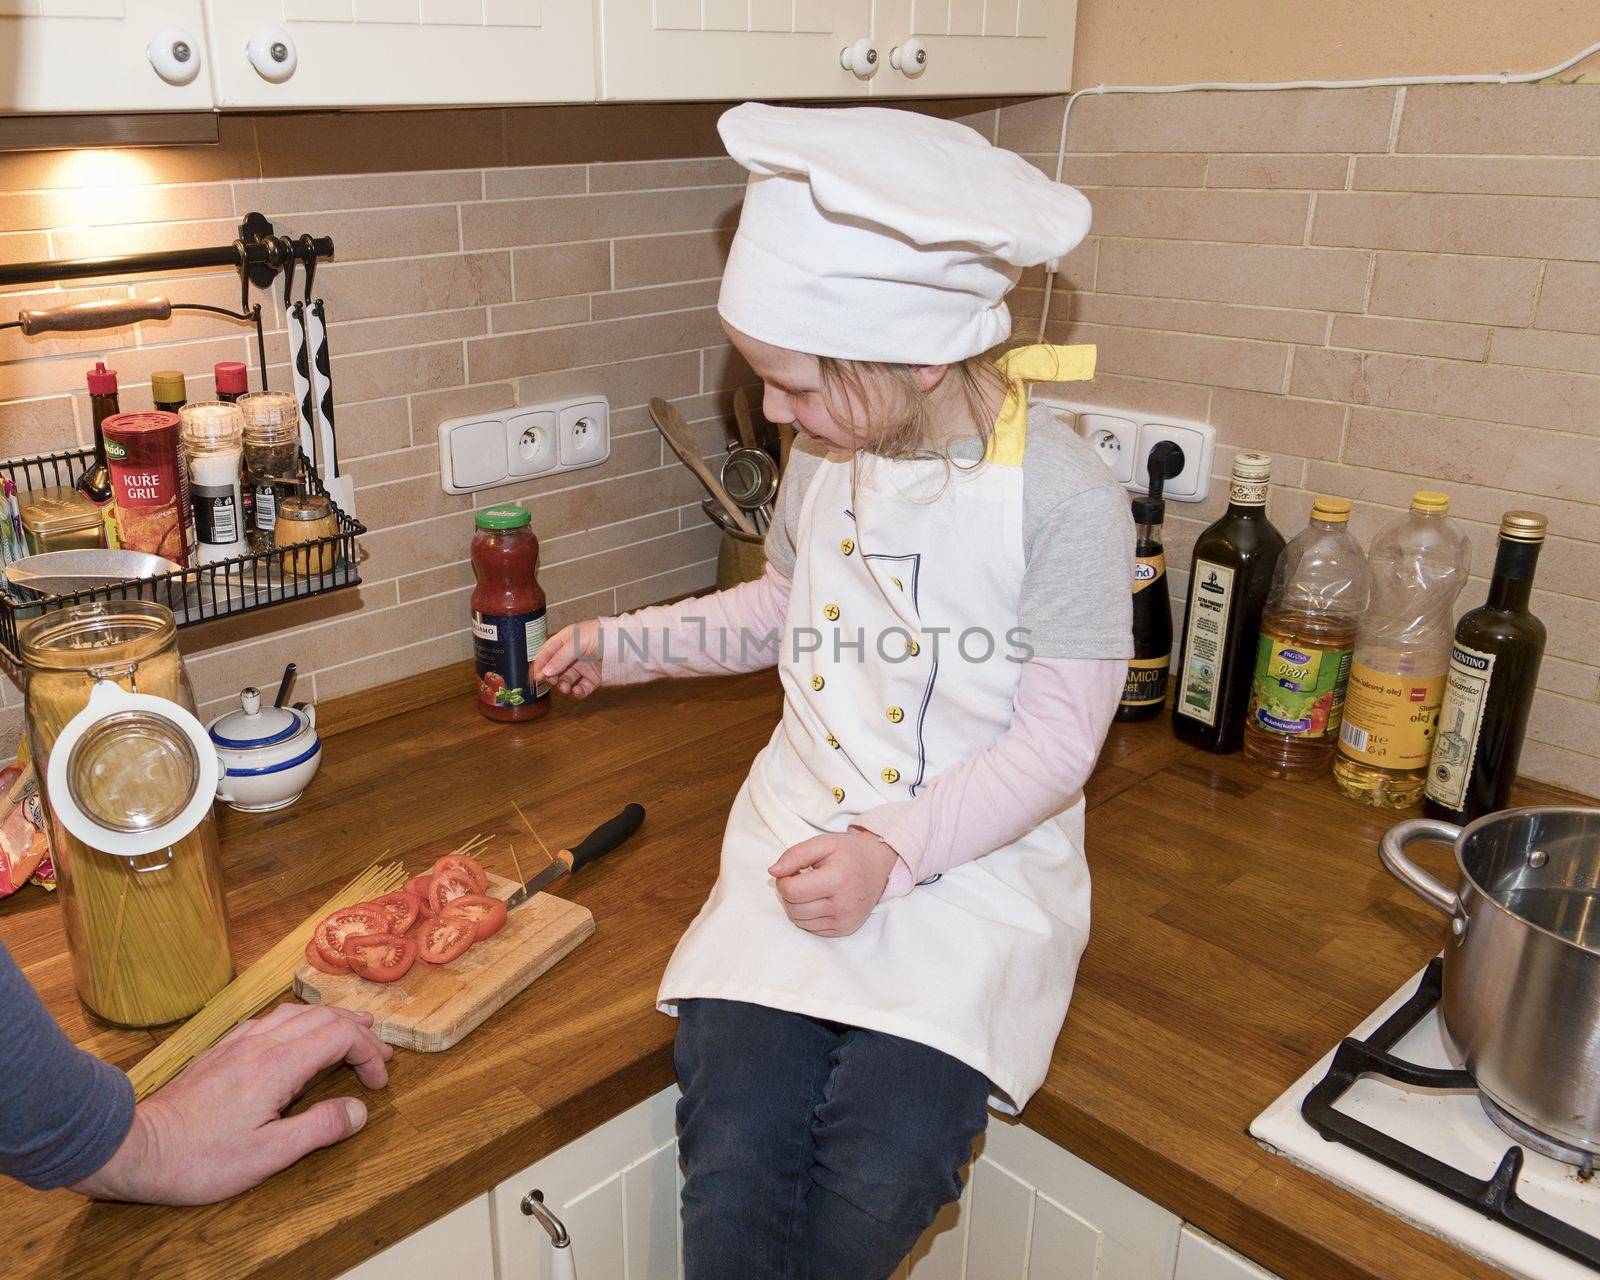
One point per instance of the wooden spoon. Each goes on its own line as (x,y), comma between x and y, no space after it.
(676,431)
(741,414)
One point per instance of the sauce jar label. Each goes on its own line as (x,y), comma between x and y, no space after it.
(1298,691)
(503,646)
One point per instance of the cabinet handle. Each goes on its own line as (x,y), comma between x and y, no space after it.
(562,1266)
(860,59)
(909,59)
(272,53)
(175,54)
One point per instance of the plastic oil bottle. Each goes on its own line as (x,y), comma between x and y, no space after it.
(1308,636)
(1419,565)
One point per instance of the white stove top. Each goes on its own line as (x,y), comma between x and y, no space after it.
(1451,1127)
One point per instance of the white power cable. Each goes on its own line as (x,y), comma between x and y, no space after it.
(1384,82)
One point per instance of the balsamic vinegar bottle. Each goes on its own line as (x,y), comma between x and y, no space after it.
(1488,688)
(1144,691)
(1229,579)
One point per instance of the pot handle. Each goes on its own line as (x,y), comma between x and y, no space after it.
(224,792)
(1392,849)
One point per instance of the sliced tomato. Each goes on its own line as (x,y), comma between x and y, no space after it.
(444,939)
(402,907)
(380,957)
(446,888)
(315,960)
(469,867)
(346,923)
(488,915)
(418,885)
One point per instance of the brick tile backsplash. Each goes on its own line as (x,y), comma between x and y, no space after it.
(1385,290)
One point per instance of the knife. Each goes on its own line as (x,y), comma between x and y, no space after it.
(603,839)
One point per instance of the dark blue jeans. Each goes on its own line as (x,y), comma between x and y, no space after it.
(813,1151)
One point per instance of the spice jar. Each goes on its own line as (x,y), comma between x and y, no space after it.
(304,518)
(150,485)
(213,435)
(128,777)
(60,519)
(271,457)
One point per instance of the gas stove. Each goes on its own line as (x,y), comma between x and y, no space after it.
(1391,1116)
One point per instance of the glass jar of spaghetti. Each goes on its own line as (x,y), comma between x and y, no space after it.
(508,622)
(128,776)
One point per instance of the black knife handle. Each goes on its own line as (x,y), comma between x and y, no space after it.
(608,835)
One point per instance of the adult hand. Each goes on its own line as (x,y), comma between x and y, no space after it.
(571,660)
(218,1128)
(830,883)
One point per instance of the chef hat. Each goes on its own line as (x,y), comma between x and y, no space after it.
(871,234)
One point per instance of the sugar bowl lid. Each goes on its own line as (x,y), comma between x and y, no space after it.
(254,727)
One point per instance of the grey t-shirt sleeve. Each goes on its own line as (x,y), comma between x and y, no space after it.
(65,1112)
(783,535)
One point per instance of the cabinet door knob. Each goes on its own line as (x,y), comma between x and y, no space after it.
(860,59)
(175,54)
(910,58)
(272,53)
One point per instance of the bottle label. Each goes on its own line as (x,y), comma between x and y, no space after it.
(1298,691)
(1389,719)
(216,513)
(1247,493)
(1148,569)
(1146,682)
(1466,693)
(1210,602)
(503,646)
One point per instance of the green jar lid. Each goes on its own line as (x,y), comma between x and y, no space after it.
(503,517)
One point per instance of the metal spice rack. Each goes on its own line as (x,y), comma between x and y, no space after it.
(225,588)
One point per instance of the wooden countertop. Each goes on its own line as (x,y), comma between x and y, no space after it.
(1240,929)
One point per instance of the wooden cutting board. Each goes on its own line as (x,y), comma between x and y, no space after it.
(434,1006)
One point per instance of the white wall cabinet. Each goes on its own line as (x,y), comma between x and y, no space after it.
(935,48)
(400,53)
(75,56)
(708,49)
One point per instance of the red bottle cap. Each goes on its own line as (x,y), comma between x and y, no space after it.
(230,377)
(102,381)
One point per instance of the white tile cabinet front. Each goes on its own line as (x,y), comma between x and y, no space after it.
(78,56)
(400,53)
(1202,1258)
(458,1246)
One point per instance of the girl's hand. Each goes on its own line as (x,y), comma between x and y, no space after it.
(570,660)
(830,883)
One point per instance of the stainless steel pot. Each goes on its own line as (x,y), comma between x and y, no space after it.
(1522,970)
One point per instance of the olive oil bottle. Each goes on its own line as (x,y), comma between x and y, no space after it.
(1144,692)
(1488,689)
(1229,579)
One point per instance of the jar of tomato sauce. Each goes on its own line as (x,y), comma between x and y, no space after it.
(508,624)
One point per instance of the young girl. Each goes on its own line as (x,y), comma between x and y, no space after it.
(903,895)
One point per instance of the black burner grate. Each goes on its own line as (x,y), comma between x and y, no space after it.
(1495,1197)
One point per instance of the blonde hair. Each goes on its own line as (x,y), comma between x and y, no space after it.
(897,409)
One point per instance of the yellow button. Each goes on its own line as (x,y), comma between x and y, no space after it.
(891,775)
(833,742)
(898,583)
(817,682)
(895,714)
(838,795)
(913,648)
(847,546)
(830,612)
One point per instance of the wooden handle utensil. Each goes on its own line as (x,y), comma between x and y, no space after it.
(677,434)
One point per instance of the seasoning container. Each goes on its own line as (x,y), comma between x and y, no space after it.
(60,519)
(128,777)
(213,445)
(232,380)
(95,483)
(304,518)
(271,458)
(151,484)
(508,615)
(167,390)
(269,754)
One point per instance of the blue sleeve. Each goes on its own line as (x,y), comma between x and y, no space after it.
(63,1113)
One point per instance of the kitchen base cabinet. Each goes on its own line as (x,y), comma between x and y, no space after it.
(1202,1258)
(459,1246)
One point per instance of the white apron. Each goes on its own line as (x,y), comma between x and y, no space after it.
(978,962)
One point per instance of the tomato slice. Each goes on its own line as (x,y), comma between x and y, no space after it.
(315,960)
(446,888)
(402,907)
(344,923)
(488,915)
(469,867)
(444,939)
(380,957)
(418,885)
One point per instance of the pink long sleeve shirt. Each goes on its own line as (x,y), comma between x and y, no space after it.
(1062,709)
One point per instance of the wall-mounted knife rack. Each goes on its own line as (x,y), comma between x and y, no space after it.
(204,592)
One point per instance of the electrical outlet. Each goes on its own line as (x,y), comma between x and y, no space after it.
(507,445)
(1198,442)
(585,433)
(1113,439)
(531,443)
